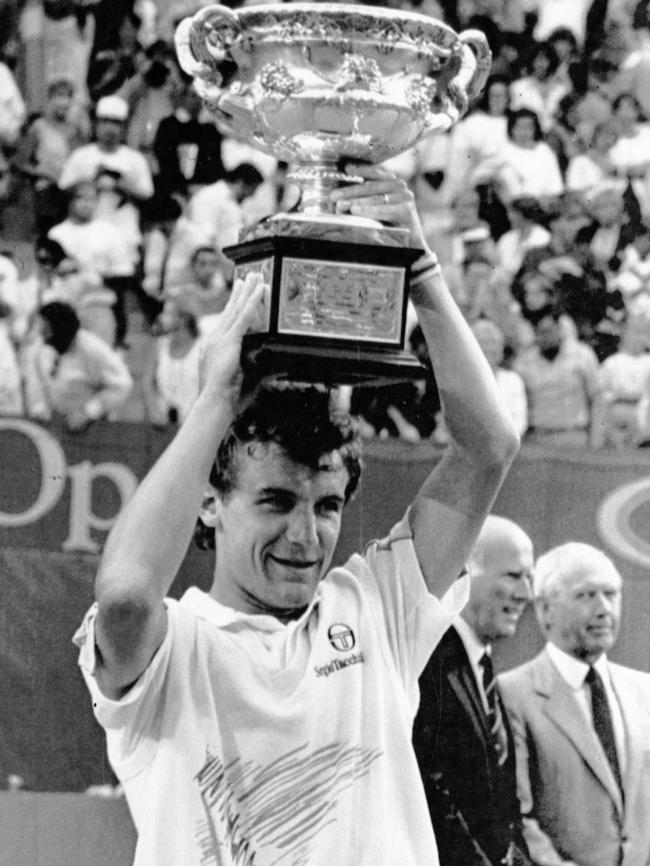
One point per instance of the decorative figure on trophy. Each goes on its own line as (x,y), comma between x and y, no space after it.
(318,85)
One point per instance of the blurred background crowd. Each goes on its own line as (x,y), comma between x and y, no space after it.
(118,194)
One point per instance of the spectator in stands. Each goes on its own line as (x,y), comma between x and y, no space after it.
(596,94)
(630,155)
(588,170)
(219,205)
(580,722)
(564,136)
(71,373)
(98,247)
(114,59)
(87,294)
(634,72)
(527,166)
(150,97)
(565,44)
(624,383)
(187,146)
(208,290)
(477,139)
(541,90)
(527,232)
(561,379)
(48,142)
(108,152)
(12,108)
(611,230)
(633,277)
(491,340)
(170,381)
(160,221)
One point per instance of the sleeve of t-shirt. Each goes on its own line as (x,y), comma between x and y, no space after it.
(130,722)
(414,621)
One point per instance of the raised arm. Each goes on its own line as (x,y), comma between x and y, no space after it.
(146,546)
(454,501)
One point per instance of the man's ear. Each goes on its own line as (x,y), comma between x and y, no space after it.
(210,512)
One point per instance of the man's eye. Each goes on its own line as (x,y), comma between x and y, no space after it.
(330,506)
(276,503)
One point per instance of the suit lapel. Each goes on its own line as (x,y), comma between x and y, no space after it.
(563,710)
(461,681)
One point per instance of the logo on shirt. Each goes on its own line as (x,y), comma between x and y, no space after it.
(341,637)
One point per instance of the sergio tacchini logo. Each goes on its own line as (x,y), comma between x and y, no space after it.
(341,637)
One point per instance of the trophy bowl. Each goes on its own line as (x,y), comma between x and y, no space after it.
(318,85)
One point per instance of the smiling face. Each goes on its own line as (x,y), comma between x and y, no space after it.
(500,582)
(276,531)
(582,615)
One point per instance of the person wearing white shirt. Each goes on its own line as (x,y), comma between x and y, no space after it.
(71,373)
(526,165)
(108,152)
(580,722)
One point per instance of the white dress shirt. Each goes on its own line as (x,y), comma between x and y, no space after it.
(573,672)
(475,650)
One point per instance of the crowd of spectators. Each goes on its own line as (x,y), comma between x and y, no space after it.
(537,203)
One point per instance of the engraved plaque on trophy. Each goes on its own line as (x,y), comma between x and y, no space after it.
(318,85)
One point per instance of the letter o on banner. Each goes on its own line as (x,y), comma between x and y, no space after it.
(53,472)
(615,525)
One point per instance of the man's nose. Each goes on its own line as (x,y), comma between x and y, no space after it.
(523,591)
(301,527)
(602,603)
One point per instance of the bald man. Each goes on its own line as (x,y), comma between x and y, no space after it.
(461,736)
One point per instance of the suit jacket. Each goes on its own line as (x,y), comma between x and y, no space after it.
(472,801)
(572,806)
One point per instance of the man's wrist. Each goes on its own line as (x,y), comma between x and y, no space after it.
(425,267)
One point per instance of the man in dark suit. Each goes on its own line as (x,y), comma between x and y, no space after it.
(461,736)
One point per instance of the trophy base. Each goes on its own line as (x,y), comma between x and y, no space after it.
(353,364)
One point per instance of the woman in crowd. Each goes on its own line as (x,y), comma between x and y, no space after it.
(541,90)
(527,166)
(478,138)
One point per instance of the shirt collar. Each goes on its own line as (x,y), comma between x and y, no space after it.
(572,670)
(204,606)
(474,647)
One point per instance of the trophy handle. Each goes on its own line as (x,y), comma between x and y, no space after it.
(203,45)
(472,77)
(461,81)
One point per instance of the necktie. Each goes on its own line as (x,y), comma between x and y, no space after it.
(495,712)
(603,721)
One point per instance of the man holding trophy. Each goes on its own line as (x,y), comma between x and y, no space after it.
(269,720)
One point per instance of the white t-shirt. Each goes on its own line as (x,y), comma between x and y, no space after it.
(247,741)
(84,162)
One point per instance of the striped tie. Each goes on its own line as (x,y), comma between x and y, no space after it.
(495,711)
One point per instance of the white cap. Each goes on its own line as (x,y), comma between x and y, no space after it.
(112,108)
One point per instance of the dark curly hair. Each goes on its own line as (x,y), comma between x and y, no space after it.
(300,421)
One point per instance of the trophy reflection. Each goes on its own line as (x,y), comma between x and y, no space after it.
(319,85)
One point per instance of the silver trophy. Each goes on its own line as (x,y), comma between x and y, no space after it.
(318,85)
